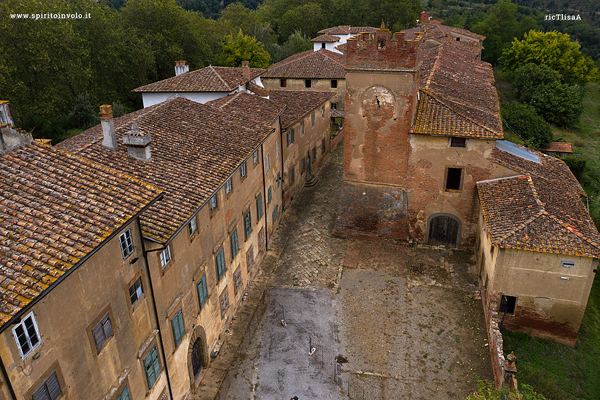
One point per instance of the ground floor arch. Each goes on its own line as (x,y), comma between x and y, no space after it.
(443,229)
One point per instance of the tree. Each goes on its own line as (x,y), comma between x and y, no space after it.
(527,78)
(558,104)
(555,50)
(242,47)
(499,27)
(486,390)
(296,43)
(523,120)
(236,16)
(84,115)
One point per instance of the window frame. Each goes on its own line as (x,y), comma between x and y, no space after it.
(220,263)
(228,186)
(224,301)
(50,394)
(202,297)
(508,301)
(243,171)
(234,243)
(214,200)
(268,162)
(193,226)
(164,262)
(458,142)
(308,83)
(30,316)
(460,182)
(269,195)
(275,213)
(290,137)
(249,258)
(180,325)
(248,224)
(120,395)
(259,207)
(334,83)
(255,157)
(312,119)
(237,280)
(138,295)
(302,128)
(277,149)
(153,350)
(102,325)
(129,247)
(283,82)
(323,112)
(292,174)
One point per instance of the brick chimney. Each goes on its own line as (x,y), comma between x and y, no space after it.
(181,67)
(109,137)
(246,70)
(138,143)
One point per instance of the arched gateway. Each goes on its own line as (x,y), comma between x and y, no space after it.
(443,229)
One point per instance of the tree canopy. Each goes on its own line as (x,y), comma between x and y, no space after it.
(240,47)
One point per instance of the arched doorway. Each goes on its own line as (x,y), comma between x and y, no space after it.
(443,229)
(197,355)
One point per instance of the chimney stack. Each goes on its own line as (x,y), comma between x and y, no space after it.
(138,143)
(10,136)
(181,68)
(5,117)
(246,70)
(109,137)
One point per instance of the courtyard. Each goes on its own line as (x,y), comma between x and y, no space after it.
(405,321)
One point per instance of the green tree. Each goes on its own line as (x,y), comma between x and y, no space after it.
(236,16)
(296,43)
(486,390)
(499,27)
(555,50)
(84,115)
(242,47)
(527,78)
(560,105)
(523,120)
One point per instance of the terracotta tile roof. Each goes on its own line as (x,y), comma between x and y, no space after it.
(250,107)
(438,31)
(299,103)
(321,64)
(195,148)
(457,93)
(209,79)
(55,209)
(535,214)
(558,147)
(336,30)
(361,29)
(335,113)
(549,168)
(326,38)
(259,90)
(341,47)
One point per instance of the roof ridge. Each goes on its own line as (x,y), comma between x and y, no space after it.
(523,225)
(435,65)
(573,231)
(220,77)
(330,58)
(146,111)
(295,59)
(432,95)
(233,97)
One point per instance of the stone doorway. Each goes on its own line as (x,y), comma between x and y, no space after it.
(197,355)
(443,229)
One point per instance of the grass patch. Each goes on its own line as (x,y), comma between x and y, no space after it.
(558,371)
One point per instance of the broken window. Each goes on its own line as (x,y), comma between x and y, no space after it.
(453,177)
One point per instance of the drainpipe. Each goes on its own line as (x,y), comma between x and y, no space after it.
(160,338)
(5,375)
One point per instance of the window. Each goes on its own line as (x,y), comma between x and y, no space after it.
(290,137)
(302,165)
(27,335)
(49,390)
(193,225)
(278,178)
(202,291)
(268,163)
(322,45)
(277,149)
(453,177)
(314,154)
(307,83)
(152,366)
(136,291)
(334,106)
(458,142)
(124,395)
(224,299)
(262,243)
(248,224)
(102,331)
(178,327)
(235,248)
(292,177)
(165,257)
(312,119)
(126,243)
(322,146)
(243,170)
(275,212)
(334,83)
(269,195)
(301,128)
(507,304)
(220,264)
(228,186)
(567,264)
(259,207)
(213,203)
(250,258)
(323,112)
(283,82)
(255,157)
(237,280)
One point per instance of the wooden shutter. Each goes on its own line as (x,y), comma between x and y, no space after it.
(202,291)
(49,390)
(98,334)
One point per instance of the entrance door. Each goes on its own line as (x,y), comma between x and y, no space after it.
(308,164)
(197,357)
(443,230)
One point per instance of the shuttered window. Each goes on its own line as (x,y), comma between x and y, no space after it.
(224,301)
(152,367)
(269,195)
(237,280)
(220,264)
(102,331)
(235,248)
(202,291)
(248,224)
(178,327)
(49,390)
(259,207)
(124,395)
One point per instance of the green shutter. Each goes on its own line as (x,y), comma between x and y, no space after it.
(178,327)
(259,207)
(220,264)
(202,291)
(152,366)
(234,244)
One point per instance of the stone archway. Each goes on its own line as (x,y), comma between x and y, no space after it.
(443,229)
(197,357)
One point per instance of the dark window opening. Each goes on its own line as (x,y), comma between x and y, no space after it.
(322,45)
(334,106)
(458,39)
(453,178)
(507,304)
(381,43)
(307,83)
(458,142)
(334,83)
(283,82)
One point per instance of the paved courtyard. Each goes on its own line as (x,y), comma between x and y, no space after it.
(405,318)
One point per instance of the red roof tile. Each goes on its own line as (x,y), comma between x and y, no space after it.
(195,149)
(558,147)
(535,214)
(250,107)
(326,38)
(55,209)
(321,64)
(209,79)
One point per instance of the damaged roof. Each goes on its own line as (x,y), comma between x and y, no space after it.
(55,209)
(321,64)
(299,103)
(209,79)
(195,149)
(536,214)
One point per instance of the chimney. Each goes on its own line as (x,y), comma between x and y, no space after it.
(5,117)
(109,137)
(424,17)
(181,68)
(138,143)
(246,70)
(10,136)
